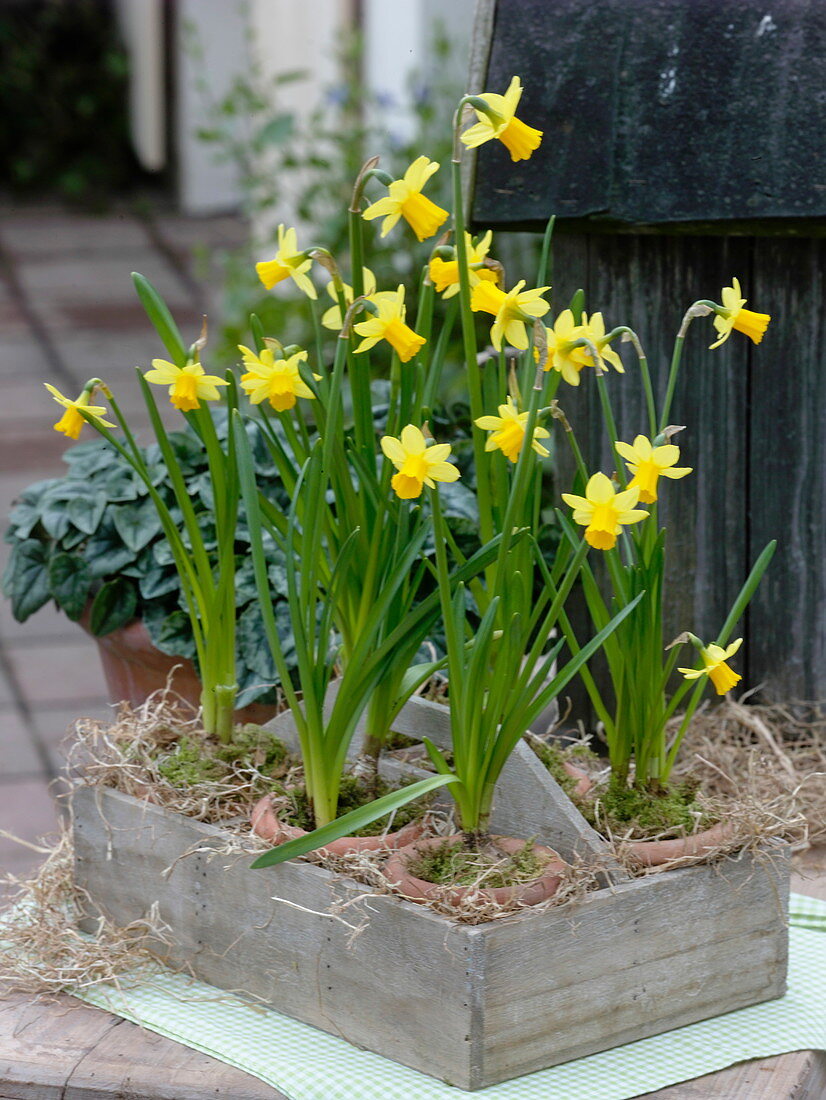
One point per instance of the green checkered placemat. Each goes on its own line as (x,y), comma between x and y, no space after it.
(307,1064)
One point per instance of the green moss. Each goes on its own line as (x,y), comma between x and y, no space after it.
(353,794)
(197,760)
(555,757)
(646,812)
(452,864)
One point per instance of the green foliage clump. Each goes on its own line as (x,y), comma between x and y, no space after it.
(93,538)
(354,793)
(196,760)
(555,756)
(452,864)
(647,811)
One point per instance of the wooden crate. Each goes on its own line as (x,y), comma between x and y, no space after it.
(470,1005)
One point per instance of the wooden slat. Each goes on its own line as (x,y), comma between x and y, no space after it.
(787,623)
(40,1044)
(130,1061)
(800,1075)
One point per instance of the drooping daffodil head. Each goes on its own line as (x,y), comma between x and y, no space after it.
(71,422)
(288,263)
(417,464)
(332,318)
(444,274)
(603,512)
(388,323)
(499,122)
(593,329)
(714,659)
(405,200)
(508,432)
(274,378)
(731,315)
(648,464)
(188,385)
(512,310)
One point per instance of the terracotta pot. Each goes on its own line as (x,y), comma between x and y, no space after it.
(528,893)
(653,853)
(134,668)
(584,781)
(267,824)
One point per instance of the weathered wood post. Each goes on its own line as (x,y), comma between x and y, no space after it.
(683,145)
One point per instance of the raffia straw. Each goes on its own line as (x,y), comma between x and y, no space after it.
(127,755)
(41,947)
(773,754)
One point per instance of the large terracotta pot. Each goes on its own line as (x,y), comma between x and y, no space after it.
(267,824)
(528,893)
(134,668)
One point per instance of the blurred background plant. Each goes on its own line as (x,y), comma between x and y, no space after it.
(63,101)
(311,166)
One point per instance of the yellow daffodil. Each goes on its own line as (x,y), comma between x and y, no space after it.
(603,511)
(71,423)
(567,356)
(417,464)
(275,379)
(508,432)
(714,659)
(188,386)
(731,315)
(519,139)
(512,310)
(288,263)
(594,330)
(407,201)
(444,274)
(332,318)
(648,463)
(388,324)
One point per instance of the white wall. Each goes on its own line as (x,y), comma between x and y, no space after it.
(220,29)
(397,37)
(141,27)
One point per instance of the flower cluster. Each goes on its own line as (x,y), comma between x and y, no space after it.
(364,534)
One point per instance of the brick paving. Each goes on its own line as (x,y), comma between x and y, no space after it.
(68,312)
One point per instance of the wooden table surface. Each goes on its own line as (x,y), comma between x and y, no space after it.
(65,1050)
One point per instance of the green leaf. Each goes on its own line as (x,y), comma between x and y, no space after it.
(175,636)
(122,485)
(137,524)
(22,518)
(277,130)
(29,583)
(54,504)
(70,581)
(105,553)
(158,581)
(162,320)
(90,458)
(113,606)
(352,822)
(86,512)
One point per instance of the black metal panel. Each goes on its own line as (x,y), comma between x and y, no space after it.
(658,111)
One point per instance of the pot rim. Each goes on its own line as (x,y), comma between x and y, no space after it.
(529,893)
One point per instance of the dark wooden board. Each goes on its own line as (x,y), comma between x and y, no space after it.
(659,111)
(787,468)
